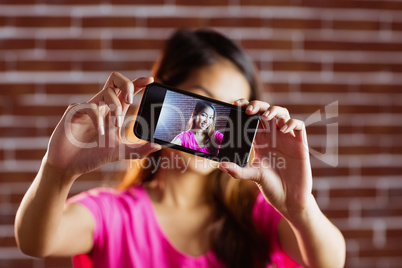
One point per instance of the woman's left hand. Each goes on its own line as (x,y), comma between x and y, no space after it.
(281,165)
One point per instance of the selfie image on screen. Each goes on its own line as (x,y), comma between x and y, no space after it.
(192,123)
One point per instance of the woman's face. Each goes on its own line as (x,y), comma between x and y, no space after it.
(204,118)
(221,81)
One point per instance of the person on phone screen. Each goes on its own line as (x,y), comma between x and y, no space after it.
(191,212)
(201,135)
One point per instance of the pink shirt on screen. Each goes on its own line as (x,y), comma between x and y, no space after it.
(188,140)
(127,233)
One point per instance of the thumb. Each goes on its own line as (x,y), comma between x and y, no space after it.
(137,151)
(237,172)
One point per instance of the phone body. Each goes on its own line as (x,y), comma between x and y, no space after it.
(175,118)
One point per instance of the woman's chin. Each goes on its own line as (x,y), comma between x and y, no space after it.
(190,163)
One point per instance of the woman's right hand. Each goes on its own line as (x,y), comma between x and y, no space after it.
(88,135)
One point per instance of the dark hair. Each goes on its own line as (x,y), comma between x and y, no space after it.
(234,237)
(209,133)
(189,50)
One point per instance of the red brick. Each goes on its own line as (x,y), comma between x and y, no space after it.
(73,89)
(359,233)
(367,67)
(42,21)
(137,2)
(16,89)
(336,213)
(71,2)
(133,44)
(18,2)
(296,66)
(58,262)
(202,3)
(355,193)
(39,110)
(389,250)
(277,87)
(380,5)
(388,171)
(266,2)
(281,23)
(330,172)
(267,44)
(397,26)
(67,44)
(7,218)
(30,154)
(3,66)
(7,242)
(9,176)
(351,46)
(43,65)
(15,44)
(114,22)
(394,233)
(3,21)
(116,65)
(173,22)
(378,88)
(12,263)
(356,25)
(236,22)
(324,88)
(372,149)
(382,212)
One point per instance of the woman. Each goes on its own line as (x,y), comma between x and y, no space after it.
(192,213)
(201,135)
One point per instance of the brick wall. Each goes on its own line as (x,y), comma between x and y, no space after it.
(336,64)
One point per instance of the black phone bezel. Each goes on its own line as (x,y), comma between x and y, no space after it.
(226,154)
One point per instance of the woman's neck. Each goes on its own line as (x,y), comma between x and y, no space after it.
(197,132)
(179,189)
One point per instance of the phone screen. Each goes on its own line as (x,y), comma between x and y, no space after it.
(195,124)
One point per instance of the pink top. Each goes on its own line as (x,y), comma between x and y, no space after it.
(188,140)
(127,233)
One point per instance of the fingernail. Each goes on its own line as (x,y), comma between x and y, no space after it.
(250,108)
(102,130)
(129,98)
(120,120)
(283,129)
(101,127)
(266,113)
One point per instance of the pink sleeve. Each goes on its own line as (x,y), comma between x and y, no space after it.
(267,218)
(101,203)
(218,137)
(94,204)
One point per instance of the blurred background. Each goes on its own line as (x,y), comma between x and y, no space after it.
(336,64)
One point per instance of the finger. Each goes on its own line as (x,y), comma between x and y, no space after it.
(121,83)
(299,129)
(113,102)
(241,102)
(141,83)
(290,125)
(91,110)
(276,111)
(257,106)
(237,172)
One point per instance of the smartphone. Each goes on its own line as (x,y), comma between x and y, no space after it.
(195,124)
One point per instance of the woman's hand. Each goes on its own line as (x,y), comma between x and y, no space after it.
(281,166)
(88,135)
